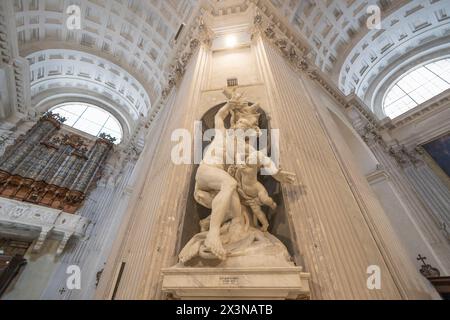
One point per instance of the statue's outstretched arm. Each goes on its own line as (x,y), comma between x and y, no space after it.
(271,168)
(285,176)
(219,119)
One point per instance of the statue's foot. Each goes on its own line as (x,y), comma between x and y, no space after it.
(273,206)
(185,258)
(214,244)
(188,252)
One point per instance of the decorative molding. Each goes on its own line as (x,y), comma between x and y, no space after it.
(330,27)
(404,157)
(372,133)
(427,108)
(380,174)
(46,220)
(199,34)
(278,34)
(15,67)
(292,49)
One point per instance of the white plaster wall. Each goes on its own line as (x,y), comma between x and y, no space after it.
(397,212)
(35,275)
(357,161)
(105,208)
(239,63)
(408,229)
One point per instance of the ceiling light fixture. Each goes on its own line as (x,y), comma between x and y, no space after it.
(231,41)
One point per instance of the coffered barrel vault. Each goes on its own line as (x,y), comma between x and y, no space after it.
(133,34)
(70,70)
(414,30)
(330,27)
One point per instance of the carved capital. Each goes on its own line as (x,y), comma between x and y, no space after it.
(405,157)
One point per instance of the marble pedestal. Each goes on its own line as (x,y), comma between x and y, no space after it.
(236,283)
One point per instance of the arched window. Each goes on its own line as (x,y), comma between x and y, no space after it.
(90,119)
(417,86)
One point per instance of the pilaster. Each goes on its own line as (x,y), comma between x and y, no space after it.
(341,228)
(421,194)
(151,231)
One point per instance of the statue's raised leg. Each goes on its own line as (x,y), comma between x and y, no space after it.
(216,179)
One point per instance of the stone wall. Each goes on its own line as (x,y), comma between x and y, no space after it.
(340,227)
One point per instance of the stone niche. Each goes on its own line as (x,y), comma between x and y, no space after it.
(272,274)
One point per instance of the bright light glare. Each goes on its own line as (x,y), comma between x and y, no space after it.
(231,41)
(90,119)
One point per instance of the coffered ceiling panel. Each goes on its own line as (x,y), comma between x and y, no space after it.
(134,34)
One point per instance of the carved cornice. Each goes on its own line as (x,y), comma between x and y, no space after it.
(269,26)
(272,30)
(426,108)
(380,174)
(372,134)
(265,16)
(354,101)
(47,220)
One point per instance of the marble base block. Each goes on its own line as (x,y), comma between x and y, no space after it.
(236,283)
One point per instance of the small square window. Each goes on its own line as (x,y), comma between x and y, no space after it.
(232,82)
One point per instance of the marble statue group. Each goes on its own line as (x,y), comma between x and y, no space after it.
(236,231)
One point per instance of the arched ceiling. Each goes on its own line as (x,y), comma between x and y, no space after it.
(353,56)
(135,38)
(134,34)
(407,33)
(54,68)
(330,27)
